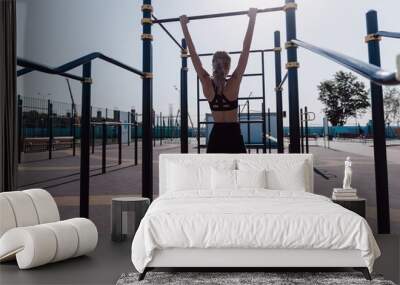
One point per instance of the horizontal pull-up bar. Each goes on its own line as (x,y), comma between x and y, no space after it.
(239,52)
(219,15)
(370,71)
(30,65)
(168,33)
(82,60)
(388,34)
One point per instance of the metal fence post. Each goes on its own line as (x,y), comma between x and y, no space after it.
(50,127)
(119,144)
(269,131)
(306,128)
(301,131)
(278,90)
(184,133)
(104,147)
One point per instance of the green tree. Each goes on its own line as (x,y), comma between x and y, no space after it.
(391,102)
(344,97)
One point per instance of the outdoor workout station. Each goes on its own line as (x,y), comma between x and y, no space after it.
(371,70)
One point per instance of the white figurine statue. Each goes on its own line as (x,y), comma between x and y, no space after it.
(347,174)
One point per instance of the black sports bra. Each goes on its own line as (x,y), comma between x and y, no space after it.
(221,103)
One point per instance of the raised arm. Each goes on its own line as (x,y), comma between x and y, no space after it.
(241,67)
(201,72)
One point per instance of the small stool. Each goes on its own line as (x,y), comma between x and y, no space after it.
(126,214)
(357,205)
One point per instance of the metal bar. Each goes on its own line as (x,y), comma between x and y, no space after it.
(269,131)
(104,149)
(32,66)
(147,103)
(278,91)
(248,121)
(50,127)
(387,34)
(306,128)
(184,103)
(85,141)
(294,146)
(264,127)
(198,114)
(378,126)
(73,129)
(239,52)
(219,15)
(369,71)
(240,98)
(283,81)
(240,121)
(136,143)
(301,131)
(119,144)
(168,33)
(161,127)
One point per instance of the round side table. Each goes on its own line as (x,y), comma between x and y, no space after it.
(126,214)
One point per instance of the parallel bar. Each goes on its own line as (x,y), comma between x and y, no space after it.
(294,146)
(168,33)
(387,34)
(378,126)
(31,66)
(147,102)
(184,103)
(278,90)
(85,142)
(239,52)
(219,15)
(369,71)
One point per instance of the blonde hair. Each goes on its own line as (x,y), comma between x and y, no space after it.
(225,58)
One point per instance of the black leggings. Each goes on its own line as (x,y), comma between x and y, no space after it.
(226,138)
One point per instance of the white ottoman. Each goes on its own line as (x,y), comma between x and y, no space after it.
(31,232)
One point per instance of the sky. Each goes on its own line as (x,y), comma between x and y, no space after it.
(56,31)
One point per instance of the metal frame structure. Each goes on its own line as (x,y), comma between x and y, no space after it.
(372,72)
(86,79)
(248,98)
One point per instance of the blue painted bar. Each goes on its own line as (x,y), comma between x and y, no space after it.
(278,91)
(32,66)
(85,141)
(369,71)
(147,109)
(184,102)
(387,34)
(294,146)
(378,123)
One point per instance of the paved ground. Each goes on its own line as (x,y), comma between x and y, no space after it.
(61,177)
(105,265)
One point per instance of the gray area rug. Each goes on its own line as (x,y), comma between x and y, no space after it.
(243,278)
